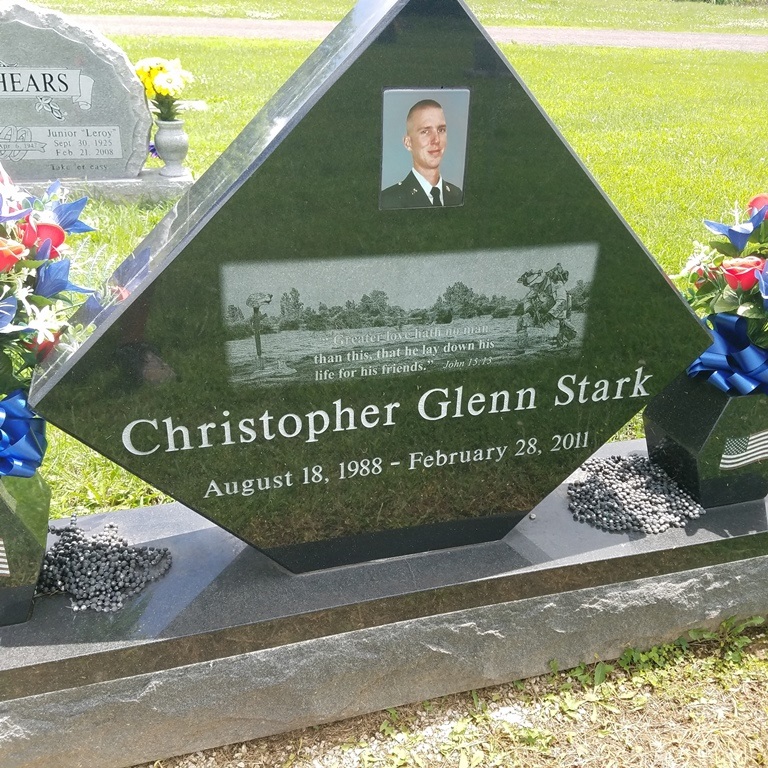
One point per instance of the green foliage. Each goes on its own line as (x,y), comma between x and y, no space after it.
(581,677)
(730,637)
(658,657)
(724,280)
(602,670)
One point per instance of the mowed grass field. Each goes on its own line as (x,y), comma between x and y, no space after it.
(741,16)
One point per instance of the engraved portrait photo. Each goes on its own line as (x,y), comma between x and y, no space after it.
(424,148)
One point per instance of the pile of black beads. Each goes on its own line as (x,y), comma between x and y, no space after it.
(99,571)
(630,493)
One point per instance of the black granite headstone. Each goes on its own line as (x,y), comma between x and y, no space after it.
(710,442)
(336,360)
(24,503)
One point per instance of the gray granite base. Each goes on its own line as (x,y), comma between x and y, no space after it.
(149,186)
(229,646)
(152,716)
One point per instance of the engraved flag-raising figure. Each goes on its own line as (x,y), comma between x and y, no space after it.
(426,138)
(547,302)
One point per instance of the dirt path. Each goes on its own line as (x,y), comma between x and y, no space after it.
(191,26)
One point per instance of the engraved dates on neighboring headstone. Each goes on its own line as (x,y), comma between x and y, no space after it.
(396,304)
(70,103)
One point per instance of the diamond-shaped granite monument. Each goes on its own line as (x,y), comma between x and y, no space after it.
(336,358)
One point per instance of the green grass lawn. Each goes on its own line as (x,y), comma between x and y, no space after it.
(748,16)
(672,136)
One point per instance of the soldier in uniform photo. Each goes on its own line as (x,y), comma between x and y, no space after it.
(426,138)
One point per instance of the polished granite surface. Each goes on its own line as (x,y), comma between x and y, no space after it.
(222,597)
(716,456)
(24,505)
(297,361)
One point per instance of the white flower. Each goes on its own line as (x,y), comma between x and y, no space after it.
(21,293)
(44,322)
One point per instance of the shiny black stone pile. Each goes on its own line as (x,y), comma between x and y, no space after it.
(99,571)
(630,493)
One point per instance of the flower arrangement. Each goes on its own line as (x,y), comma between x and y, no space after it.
(36,295)
(163,81)
(730,276)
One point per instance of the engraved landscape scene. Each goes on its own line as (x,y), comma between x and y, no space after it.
(344,320)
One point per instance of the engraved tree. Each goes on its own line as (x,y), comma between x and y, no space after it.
(291,308)
(234,315)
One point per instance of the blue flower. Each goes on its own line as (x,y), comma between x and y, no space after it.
(67,216)
(44,250)
(8,309)
(738,234)
(53,278)
(53,189)
(88,312)
(133,268)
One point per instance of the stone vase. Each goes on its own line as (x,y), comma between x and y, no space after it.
(172,145)
(710,442)
(24,507)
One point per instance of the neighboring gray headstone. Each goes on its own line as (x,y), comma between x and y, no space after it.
(70,103)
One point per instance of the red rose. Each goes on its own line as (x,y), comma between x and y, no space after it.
(758,202)
(10,253)
(704,273)
(36,234)
(742,272)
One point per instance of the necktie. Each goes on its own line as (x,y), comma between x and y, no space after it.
(435,192)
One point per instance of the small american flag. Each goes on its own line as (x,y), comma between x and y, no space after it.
(740,451)
(3,561)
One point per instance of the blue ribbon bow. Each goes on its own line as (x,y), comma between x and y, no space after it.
(733,363)
(22,437)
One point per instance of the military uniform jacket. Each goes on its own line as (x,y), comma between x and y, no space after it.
(410,194)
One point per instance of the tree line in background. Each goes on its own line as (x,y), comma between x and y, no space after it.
(373,310)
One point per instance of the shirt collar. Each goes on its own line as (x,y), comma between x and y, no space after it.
(427,187)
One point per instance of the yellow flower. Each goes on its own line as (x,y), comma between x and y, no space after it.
(164,84)
(163,81)
(148,64)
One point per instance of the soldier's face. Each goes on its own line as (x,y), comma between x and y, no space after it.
(426,137)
